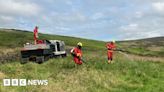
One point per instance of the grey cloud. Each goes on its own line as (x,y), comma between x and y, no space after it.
(125,19)
(13,7)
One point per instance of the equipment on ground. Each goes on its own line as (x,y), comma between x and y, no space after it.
(83,60)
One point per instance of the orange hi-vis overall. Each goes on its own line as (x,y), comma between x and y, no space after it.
(35,34)
(110,47)
(77,55)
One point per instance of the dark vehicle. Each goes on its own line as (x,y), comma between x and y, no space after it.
(43,51)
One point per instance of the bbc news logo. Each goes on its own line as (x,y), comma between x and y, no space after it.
(23,82)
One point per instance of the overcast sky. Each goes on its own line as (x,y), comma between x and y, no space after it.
(92,19)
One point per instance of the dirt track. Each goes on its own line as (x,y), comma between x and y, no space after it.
(133,57)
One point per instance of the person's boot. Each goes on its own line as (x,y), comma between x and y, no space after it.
(109,61)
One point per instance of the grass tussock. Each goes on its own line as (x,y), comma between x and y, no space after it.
(94,76)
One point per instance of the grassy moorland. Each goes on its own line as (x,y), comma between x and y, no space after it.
(145,47)
(123,75)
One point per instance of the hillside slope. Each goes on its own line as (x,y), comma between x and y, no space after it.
(145,47)
(12,38)
(123,75)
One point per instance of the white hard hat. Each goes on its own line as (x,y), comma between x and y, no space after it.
(79,44)
(113,41)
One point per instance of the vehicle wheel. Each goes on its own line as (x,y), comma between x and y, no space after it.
(40,60)
(64,55)
(24,60)
(56,56)
(46,58)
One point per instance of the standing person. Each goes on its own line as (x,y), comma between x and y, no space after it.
(35,34)
(110,47)
(77,53)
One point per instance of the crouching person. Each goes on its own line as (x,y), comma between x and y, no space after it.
(77,53)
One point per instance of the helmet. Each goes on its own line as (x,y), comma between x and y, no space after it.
(27,43)
(113,41)
(79,44)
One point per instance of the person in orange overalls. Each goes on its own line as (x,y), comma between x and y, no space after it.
(77,54)
(110,47)
(36,35)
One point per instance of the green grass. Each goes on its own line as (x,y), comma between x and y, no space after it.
(13,39)
(95,75)
(146,47)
